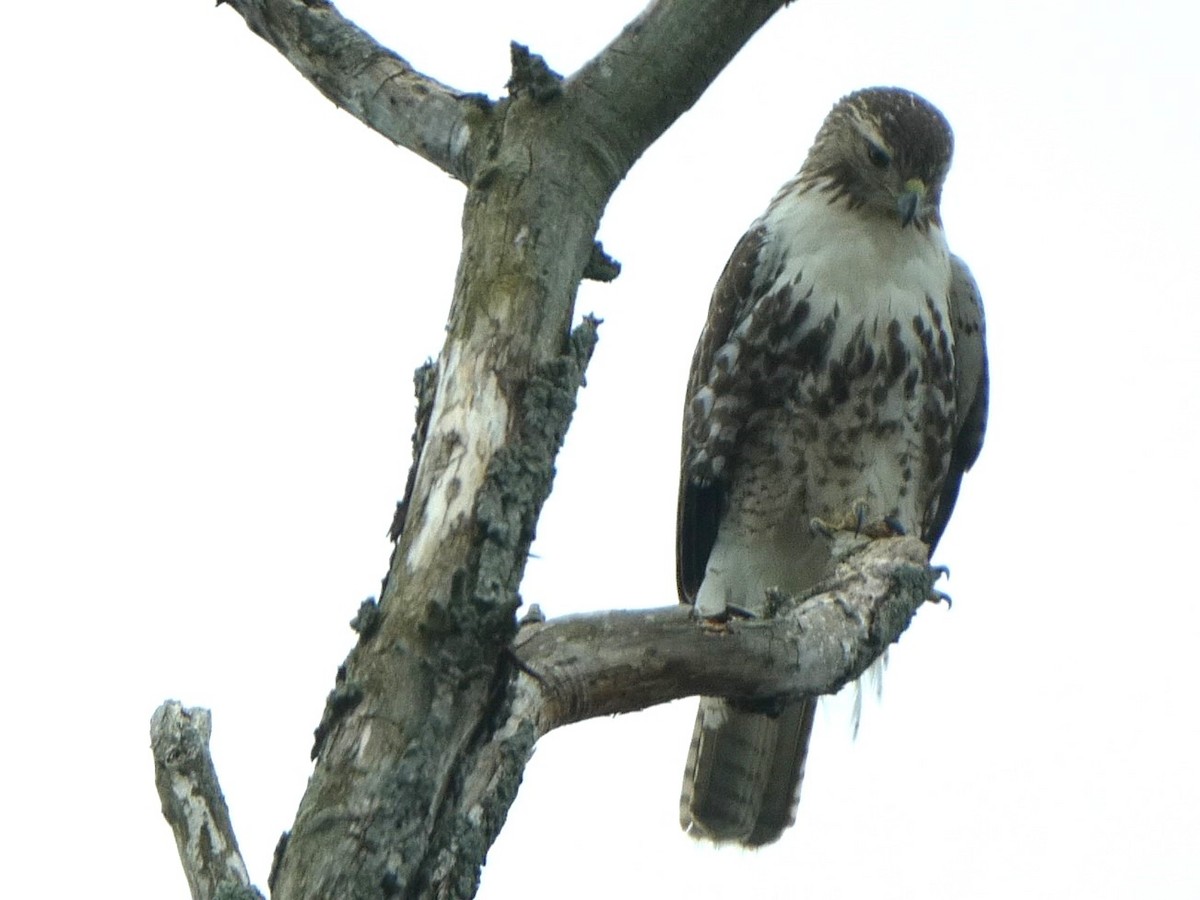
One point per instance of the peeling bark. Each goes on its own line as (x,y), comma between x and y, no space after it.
(431,818)
(194,806)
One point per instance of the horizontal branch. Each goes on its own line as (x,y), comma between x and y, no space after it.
(193,805)
(369,81)
(614,662)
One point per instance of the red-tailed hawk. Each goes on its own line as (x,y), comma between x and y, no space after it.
(840,381)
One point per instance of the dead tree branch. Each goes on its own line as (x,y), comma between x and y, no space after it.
(194,806)
(369,81)
(625,660)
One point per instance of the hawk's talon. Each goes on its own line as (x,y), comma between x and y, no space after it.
(941,597)
(819,526)
(860,517)
(897,527)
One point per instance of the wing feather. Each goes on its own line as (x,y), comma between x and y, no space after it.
(700,504)
(971,389)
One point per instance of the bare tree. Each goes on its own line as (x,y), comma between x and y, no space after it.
(436,710)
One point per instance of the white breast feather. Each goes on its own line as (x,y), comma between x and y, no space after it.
(872,272)
(868,265)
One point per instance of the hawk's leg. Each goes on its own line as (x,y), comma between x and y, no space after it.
(858,521)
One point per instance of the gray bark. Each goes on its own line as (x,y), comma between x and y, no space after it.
(194,805)
(435,711)
(625,660)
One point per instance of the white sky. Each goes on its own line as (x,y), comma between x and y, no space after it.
(215,287)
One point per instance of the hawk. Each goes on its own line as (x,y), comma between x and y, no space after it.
(840,381)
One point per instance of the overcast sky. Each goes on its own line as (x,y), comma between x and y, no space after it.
(215,287)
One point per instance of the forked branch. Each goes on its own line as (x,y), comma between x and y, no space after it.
(599,664)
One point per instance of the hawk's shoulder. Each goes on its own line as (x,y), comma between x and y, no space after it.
(731,299)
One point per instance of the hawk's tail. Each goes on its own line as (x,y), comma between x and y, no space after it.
(744,769)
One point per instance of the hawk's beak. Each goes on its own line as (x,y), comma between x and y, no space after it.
(909,203)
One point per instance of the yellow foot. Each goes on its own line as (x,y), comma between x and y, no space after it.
(719,622)
(857,521)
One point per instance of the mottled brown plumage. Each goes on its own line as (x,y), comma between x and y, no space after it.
(841,373)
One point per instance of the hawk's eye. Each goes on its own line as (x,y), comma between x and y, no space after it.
(879,157)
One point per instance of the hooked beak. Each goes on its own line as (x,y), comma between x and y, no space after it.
(909,203)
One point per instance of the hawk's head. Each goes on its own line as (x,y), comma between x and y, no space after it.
(886,151)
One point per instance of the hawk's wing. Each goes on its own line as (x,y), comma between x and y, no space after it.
(762,333)
(970,388)
(700,505)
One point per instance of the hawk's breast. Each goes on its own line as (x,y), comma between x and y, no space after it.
(852,401)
